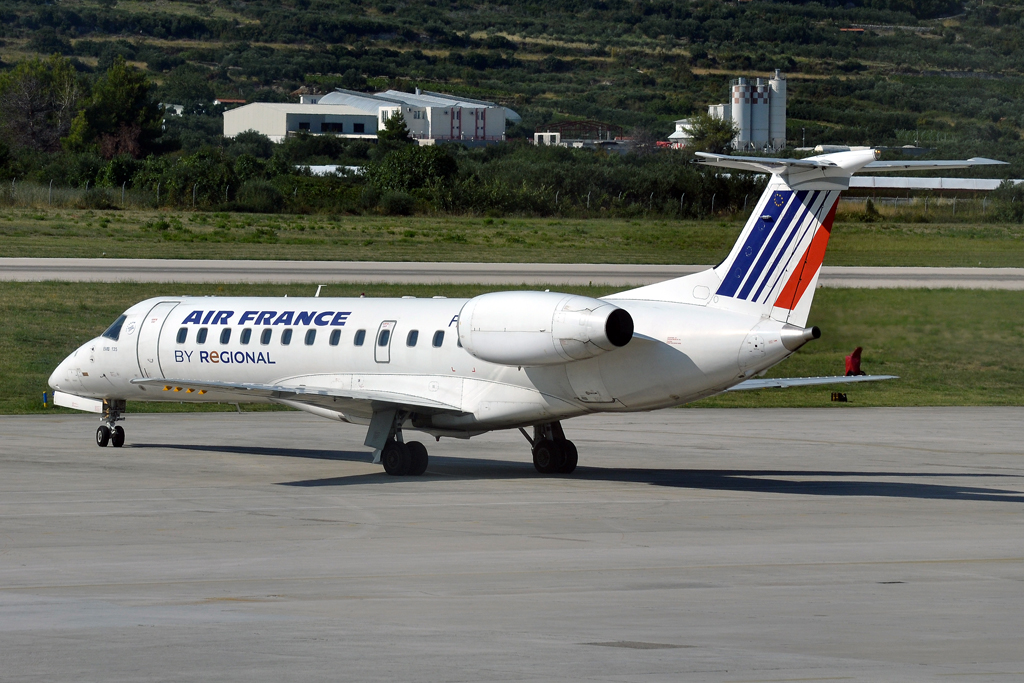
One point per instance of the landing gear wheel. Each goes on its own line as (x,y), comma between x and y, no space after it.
(117,436)
(572,457)
(417,458)
(548,458)
(102,435)
(396,459)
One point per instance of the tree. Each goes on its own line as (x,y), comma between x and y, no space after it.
(121,116)
(711,134)
(38,100)
(190,86)
(412,167)
(394,129)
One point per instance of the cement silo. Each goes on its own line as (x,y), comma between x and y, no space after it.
(777,110)
(741,112)
(759,114)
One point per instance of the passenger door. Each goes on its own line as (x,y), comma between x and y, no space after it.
(382,342)
(149,338)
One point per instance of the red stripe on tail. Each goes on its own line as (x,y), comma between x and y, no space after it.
(808,265)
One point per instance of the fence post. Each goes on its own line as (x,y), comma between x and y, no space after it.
(588,199)
(122,193)
(681,198)
(745,201)
(556,197)
(158,195)
(954,207)
(713,203)
(194,195)
(49,195)
(226,188)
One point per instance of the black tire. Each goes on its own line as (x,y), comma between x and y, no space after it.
(548,458)
(117,437)
(572,457)
(102,435)
(395,459)
(417,458)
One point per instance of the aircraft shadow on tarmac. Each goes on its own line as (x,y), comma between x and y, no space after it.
(796,482)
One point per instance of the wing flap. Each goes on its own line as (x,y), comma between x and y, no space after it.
(786,382)
(309,394)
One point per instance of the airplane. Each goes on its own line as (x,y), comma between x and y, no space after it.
(502,360)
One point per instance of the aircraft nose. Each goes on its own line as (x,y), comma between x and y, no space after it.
(59,374)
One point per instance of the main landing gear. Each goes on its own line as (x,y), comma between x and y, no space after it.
(552,452)
(109,432)
(404,459)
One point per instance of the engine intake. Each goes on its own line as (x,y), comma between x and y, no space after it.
(541,328)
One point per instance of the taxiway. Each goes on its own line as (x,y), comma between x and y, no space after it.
(697,545)
(326,272)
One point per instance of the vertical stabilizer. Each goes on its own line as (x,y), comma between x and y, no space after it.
(774,265)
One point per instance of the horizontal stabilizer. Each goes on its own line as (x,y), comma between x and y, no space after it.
(938,165)
(786,382)
(836,163)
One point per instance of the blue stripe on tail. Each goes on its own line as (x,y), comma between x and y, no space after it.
(786,227)
(766,226)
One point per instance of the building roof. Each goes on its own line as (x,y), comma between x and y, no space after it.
(290,108)
(367,102)
(373,101)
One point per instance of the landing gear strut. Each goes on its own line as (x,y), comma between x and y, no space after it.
(109,432)
(552,452)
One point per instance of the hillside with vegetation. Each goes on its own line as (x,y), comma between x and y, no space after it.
(82,79)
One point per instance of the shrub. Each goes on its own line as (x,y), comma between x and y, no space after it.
(397,203)
(259,196)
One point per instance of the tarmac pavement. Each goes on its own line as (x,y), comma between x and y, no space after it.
(326,272)
(698,545)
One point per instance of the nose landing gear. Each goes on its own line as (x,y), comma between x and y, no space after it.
(552,452)
(109,432)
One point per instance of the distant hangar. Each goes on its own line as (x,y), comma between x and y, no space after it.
(430,117)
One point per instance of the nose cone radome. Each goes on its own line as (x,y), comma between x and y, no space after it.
(59,376)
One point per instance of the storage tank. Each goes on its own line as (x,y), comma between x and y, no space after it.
(759,114)
(777,110)
(741,112)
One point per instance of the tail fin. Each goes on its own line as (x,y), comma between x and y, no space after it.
(773,268)
(774,265)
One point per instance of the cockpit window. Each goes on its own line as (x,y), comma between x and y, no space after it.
(114,331)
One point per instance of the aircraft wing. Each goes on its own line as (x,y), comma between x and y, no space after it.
(337,399)
(938,165)
(785,382)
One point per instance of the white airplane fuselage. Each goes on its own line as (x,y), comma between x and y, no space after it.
(679,353)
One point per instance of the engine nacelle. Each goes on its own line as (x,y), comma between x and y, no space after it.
(541,328)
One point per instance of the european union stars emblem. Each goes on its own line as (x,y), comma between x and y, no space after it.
(779,199)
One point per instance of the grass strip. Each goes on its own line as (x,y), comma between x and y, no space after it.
(153,234)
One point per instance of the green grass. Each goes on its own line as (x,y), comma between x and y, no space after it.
(151,234)
(950,347)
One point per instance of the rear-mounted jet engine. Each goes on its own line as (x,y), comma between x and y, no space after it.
(541,328)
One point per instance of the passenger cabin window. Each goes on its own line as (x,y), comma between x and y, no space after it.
(438,339)
(412,337)
(286,337)
(201,336)
(310,337)
(182,335)
(335,337)
(114,331)
(225,335)
(245,336)
(265,336)
(359,338)
(384,338)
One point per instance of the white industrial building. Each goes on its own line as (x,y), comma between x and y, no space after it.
(758,111)
(277,120)
(430,117)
